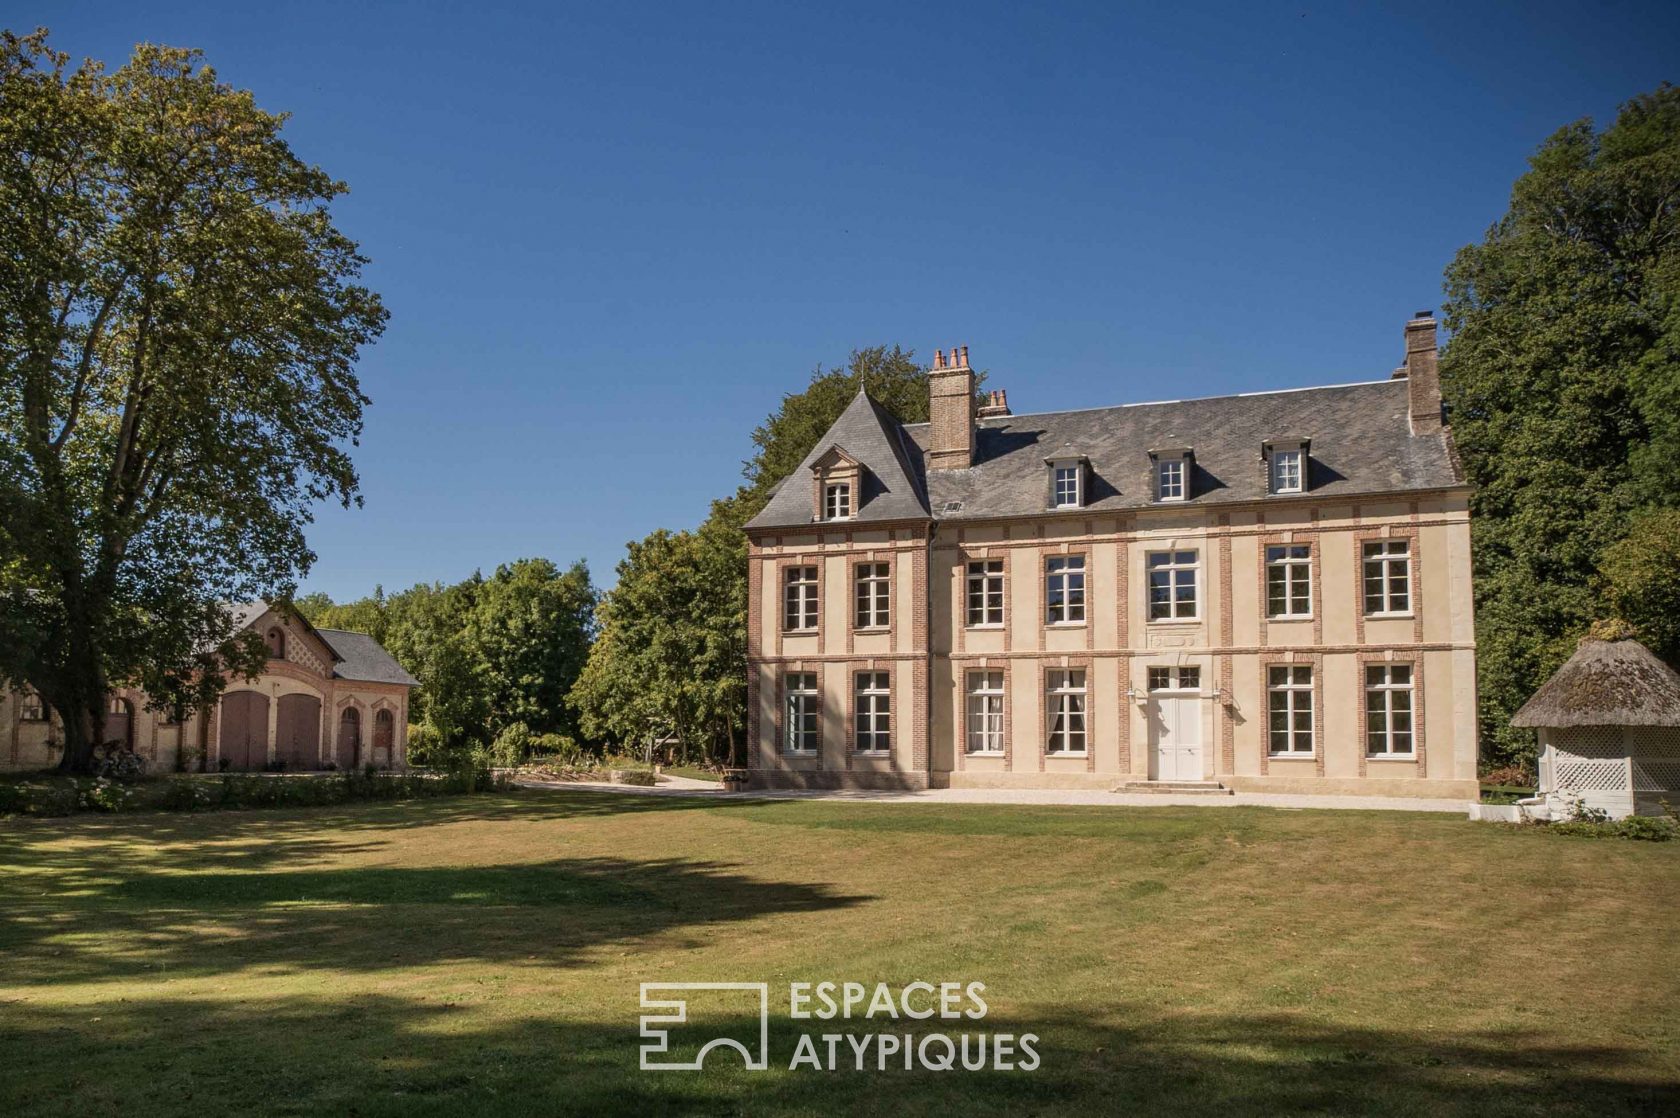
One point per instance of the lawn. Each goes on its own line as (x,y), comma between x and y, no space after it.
(481,955)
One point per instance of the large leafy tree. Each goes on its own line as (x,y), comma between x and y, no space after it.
(1563,375)
(671,656)
(531,625)
(179,323)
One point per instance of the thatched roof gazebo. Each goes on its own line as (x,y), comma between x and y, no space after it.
(1609,723)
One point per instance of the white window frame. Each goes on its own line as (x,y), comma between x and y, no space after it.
(1290,690)
(986,584)
(1386,563)
(1065,704)
(1064,590)
(837,500)
(1178,471)
(1289,565)
(1067,484)
(1175,568)
(872,713)
(1289,470)
(872,595)
(983,713)
(800,599)
(1381,694)
(802,714)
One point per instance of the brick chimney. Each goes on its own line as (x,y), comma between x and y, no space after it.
(950,411)
(996,405)
(1422,375)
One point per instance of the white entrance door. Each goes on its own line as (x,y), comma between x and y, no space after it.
(1175,723)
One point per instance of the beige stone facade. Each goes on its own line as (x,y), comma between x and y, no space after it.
(1318,640)
(304,709)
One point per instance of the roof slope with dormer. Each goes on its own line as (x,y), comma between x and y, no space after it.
(1360,443)
(890,462)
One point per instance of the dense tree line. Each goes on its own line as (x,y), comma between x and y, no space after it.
(1563,379)
(488,652)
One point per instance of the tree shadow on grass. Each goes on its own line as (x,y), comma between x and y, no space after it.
(380,1055)
(374,918)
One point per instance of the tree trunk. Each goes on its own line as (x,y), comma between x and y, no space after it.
(83,716)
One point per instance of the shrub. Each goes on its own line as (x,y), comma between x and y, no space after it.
(1509,776)
(556,749)
(511,746)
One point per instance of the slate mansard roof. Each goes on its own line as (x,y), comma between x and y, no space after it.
(360,657)
(1360,444)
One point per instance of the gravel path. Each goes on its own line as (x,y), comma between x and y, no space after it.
(685,786)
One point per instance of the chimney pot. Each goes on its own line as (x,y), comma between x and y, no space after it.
(965,357)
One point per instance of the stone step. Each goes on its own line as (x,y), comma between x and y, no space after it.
(1177,787)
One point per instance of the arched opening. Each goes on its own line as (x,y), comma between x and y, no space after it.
(297,731)
(350,738)
(119,722)
(384,737)
(242,742)
(276,641)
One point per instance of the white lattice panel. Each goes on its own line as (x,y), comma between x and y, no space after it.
(1656,758)
(1590,759)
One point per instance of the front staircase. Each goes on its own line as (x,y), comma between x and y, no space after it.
(1176,787)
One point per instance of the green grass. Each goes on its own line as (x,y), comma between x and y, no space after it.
(693,772)
(482,955)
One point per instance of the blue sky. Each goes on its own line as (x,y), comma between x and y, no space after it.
(612,236)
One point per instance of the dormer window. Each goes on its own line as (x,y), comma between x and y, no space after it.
(1286,465)
(1067,482)
(1172,474)
(836,485)
(837,501)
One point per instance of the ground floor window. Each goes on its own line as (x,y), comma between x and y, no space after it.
(800,730)
(985,712)
(1290,698)
(1066,707)
(1388,710)
(873,712)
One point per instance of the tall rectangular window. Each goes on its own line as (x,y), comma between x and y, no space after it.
(1289,694)
(1169,480)
(799,599)
(1066,485)
(872,714)
(30,707)
(1388,576)
(985,592)
(1286,471)
(800,733)
(837,501)
(874,596)
(985,712)
(1289,580)
(1065,704)
(1064,584)
(1172,585)
(1388,710)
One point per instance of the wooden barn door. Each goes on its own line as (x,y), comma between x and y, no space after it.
(349,739)
(243,741)
(297,732)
